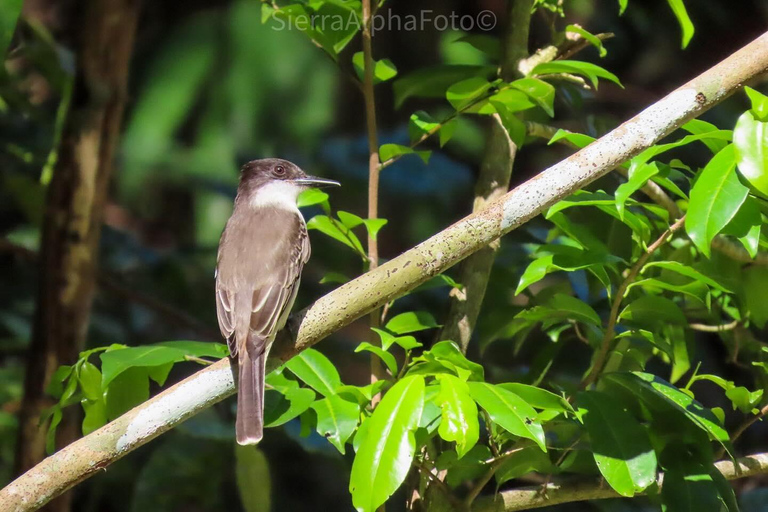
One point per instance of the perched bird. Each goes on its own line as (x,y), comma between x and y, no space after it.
(262,251)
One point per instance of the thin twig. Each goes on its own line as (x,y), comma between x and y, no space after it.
(495,463)
(714,328)
(610,330)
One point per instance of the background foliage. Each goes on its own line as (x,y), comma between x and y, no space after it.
(214,85)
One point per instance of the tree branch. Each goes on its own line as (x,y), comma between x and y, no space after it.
(610,329)
(391,280)
(493,182)
(528,498)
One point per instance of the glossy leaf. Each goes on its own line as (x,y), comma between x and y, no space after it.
(390,151)
(678,7)
(509,411)
(657,391)
(386,452)
(651,310)
(412,321)
(538,397)
(464,93)
(759,103)
(750,140)
(316,370)
(311,197)
(638,177)
(337,231)
(575,67)
(589,37)
(715,199)
(746,225)
(522,462)
(387,340)
(383,69)
(459,414)
(280,408)
(434,82)
(685,270)
(337,419)
(385,356)
(115,362)
(621,447)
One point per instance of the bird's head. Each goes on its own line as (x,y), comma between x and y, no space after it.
(276,182)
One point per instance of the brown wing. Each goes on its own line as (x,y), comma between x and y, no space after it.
(269,301)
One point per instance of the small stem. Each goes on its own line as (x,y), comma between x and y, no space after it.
(198,360)
(714,328)
(495,463)
(610,330)
(377,371)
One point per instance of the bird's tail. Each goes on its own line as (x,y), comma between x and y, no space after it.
(249,426)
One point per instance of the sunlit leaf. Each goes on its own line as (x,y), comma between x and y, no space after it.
(509,411)
(386,452)
(385,356)
(411,321)
(715,199)
(621,447)
(337,419)
(316,370)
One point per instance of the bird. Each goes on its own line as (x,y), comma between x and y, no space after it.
(262,252)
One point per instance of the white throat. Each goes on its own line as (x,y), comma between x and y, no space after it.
(278,194)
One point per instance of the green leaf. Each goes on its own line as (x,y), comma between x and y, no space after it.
(513,126)
(522,462)
(9,14)
(459,422)
(622,6)
(638,177)
(743,399)
(685,270)
(374,226)
(56,385)
(489,45)
(334,277)
(462,94)
(658,392)
(387,340)
(746,225)
(383,70)
(422,124)
(447,354)
(573,308)
(690,490)
(537,397)
(577,139)
(681,14)
(50,438)
(89,378)
(715,199)
(126,391)
(386,452)
(589,37)
(116,361)
(253,479)
(509,411)
(447,131)
(385,356)
(652,310)
(315,370)
(712,138)
(750,140)
(434,82)
(311,197)
(621,447)
(699,127)
(95,415)
(755,282)
(759,103)
(412,321)
(337,419)
(337,231)
(389,151)
(280,408)
(575,67)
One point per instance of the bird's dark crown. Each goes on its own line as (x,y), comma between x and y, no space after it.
(259,172)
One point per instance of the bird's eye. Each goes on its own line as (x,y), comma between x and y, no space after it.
(279,170)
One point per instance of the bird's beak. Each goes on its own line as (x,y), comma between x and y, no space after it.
(315,182)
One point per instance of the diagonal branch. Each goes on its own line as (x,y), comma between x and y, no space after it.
(528,498)
(391,280)
(493,182)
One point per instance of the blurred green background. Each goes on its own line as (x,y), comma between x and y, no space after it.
(212,87)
